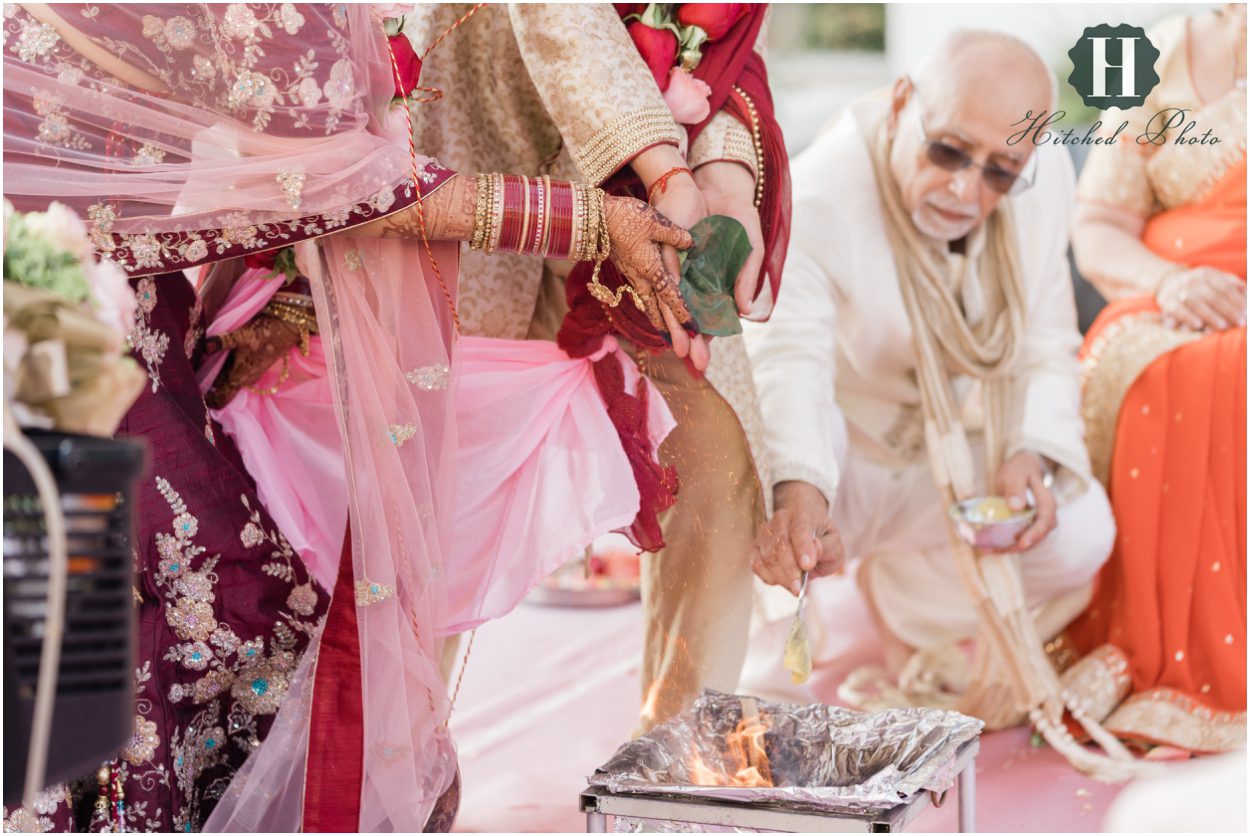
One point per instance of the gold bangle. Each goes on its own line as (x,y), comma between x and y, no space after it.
(545,238)
(480,212)
(575,232)
(497,207)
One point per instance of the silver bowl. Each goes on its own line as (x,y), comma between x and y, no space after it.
(981,534)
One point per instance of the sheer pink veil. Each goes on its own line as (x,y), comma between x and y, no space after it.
(188,134)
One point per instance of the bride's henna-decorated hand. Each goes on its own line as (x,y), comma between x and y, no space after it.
(448,215)
(255,348)
(636,232)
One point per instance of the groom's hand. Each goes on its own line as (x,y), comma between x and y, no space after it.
(729,189)
(799,538)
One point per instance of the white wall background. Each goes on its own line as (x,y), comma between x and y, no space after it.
(810,86)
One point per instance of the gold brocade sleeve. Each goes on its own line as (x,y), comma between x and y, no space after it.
(724,138)
(593,83)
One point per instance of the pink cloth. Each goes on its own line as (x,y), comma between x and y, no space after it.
(542,472)
(289,440)
(541,469)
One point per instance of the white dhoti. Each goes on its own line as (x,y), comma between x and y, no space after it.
(893,525)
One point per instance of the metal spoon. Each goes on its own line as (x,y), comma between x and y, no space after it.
(798,653)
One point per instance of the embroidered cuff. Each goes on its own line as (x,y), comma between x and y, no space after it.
(624,138)
(725,138)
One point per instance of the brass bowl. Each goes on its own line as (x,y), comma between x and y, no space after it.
(981,532)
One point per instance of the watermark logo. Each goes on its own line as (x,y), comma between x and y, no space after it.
(1113,66)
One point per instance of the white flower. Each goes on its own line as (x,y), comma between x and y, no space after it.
(290,18)
(309,92)
(341,86)
(180,32)
(61,228)
(111,296)
(239,21)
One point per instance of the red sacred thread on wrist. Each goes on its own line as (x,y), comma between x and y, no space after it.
(662,182)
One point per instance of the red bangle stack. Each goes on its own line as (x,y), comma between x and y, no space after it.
(533,216)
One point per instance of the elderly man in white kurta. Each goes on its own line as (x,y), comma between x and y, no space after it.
(837,367)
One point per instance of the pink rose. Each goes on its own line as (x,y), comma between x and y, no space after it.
(392,11)
(396,124)
(686,97)
(112,298)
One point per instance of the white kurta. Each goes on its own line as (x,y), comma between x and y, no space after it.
(836,373)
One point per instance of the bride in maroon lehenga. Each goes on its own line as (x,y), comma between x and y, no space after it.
(194,135)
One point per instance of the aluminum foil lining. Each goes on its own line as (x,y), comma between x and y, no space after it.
(821,757)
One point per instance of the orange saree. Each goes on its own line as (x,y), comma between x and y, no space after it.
(1164,637)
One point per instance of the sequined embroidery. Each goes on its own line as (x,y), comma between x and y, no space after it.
(143,742)
(371,592)
(35,41)
(149,343)
(398,434)
(430,378)
(54,127)
(292,182)
(148,155)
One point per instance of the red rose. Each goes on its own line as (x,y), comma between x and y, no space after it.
(261,261)
(407,67)
(715,19)
(658,48)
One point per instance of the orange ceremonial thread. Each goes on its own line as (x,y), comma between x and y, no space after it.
(451,29)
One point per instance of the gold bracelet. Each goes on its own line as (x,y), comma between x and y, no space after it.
(603,249)
(305,324)
(497,207)
(575,234)
(480,228)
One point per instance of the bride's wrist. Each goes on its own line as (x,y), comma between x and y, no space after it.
(538,216)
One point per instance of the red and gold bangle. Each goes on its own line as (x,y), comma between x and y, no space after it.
(661,182)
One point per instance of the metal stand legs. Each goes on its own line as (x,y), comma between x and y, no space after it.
(968,799)
(596,823)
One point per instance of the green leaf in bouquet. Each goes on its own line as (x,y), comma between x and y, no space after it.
(33,261)
(708,273)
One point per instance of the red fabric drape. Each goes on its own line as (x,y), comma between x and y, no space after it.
(336,727)
(727,62)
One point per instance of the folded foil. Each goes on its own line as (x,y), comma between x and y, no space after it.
(821,757)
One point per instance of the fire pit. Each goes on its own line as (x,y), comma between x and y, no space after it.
(751,765)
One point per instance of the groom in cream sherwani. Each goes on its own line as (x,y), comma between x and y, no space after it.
(836,367)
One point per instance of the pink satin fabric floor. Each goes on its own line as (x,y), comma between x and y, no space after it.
(550,693)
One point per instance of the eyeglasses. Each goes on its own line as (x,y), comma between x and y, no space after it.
(997,178)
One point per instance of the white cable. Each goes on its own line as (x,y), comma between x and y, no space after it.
(54,614)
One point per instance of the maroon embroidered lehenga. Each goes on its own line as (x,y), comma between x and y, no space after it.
(193,135)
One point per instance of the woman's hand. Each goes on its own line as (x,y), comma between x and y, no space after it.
(637,232)
(1202,298)
(256,347)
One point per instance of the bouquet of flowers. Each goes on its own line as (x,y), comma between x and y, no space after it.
(66,321)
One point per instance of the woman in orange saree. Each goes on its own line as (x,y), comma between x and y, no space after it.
(1162,233)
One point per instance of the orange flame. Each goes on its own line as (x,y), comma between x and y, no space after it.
(746,757)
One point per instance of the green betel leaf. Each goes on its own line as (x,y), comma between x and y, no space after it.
(708,272)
